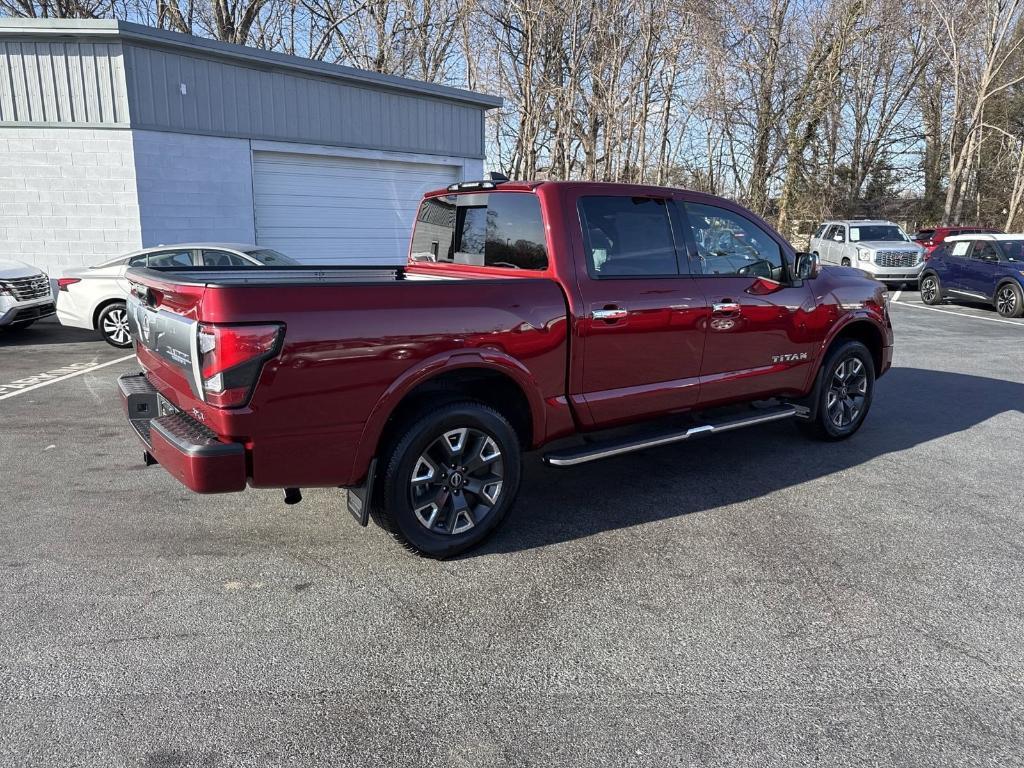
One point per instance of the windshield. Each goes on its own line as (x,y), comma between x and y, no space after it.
(870,232)
(1014,249)
(271,258)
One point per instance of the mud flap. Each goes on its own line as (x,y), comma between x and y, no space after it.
(359,498)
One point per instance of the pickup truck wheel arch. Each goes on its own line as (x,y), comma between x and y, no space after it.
(862,330)
(500,385)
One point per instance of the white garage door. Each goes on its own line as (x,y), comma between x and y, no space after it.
(335,210)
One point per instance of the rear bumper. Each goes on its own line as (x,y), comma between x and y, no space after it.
(184,447)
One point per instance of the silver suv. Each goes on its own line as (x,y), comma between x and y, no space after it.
(880,248)
(25,295)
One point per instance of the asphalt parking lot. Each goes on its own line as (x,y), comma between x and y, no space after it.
(753,600)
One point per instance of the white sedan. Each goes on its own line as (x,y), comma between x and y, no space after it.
(94,297)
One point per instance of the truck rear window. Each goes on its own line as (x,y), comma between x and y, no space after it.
(499,229)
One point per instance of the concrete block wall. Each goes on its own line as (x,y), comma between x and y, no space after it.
(67,196)
(193,188)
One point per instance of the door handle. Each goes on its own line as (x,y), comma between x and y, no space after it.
(725,307)
(609,314)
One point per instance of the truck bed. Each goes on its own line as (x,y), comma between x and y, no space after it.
(353,338)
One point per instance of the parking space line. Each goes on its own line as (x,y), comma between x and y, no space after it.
(896,296)
(959,314)
(57,379)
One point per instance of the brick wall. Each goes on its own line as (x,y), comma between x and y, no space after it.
(193,188)
(67,196)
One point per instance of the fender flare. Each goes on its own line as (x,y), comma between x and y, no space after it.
(861,316)
(432,367)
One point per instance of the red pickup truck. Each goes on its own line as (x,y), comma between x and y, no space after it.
(527,312)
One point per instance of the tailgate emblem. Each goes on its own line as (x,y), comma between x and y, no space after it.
(144,325)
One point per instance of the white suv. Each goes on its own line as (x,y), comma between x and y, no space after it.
(25,295)
(880,248)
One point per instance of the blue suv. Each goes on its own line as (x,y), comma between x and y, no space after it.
(977,268)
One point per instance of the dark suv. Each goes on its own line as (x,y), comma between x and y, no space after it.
(979,267)
(930,239)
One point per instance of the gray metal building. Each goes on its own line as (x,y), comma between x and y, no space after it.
(115,136)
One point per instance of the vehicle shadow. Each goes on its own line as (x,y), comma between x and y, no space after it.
(557,505)
(47,332)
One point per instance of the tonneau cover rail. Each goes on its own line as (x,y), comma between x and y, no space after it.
(302,275)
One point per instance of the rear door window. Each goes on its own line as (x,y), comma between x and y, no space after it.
(172,258)
(984,251)
(498,229)
(628,237)
(224,259)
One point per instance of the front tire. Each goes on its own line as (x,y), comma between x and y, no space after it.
(450,479)
(113,325)
(847,262)
(931,289)
(845,390)
(1009,300)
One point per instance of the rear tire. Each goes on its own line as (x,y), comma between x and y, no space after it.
(450,479)
(847,263)
(845,390)
(1010,300)
(113,325)
(931,289)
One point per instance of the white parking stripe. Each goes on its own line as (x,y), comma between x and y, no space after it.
(959,314)
(65,377)
(896,296)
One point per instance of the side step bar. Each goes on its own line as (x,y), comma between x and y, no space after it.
(593,452)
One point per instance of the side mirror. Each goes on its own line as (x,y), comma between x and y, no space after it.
(808,266)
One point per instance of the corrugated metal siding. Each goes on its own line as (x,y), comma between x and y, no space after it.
(227,99)
(62,82)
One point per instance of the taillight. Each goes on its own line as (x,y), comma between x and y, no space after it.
(231,358)
(64,282)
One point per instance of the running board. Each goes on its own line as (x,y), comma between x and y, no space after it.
(593,452)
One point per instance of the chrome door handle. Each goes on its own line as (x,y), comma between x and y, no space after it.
(609,314)
(724,307)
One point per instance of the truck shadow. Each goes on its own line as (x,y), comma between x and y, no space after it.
(912,406)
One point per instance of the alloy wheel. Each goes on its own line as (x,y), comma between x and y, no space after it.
(115,326)
(1006,301)
(847,392)
(929,289)
(456,481)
